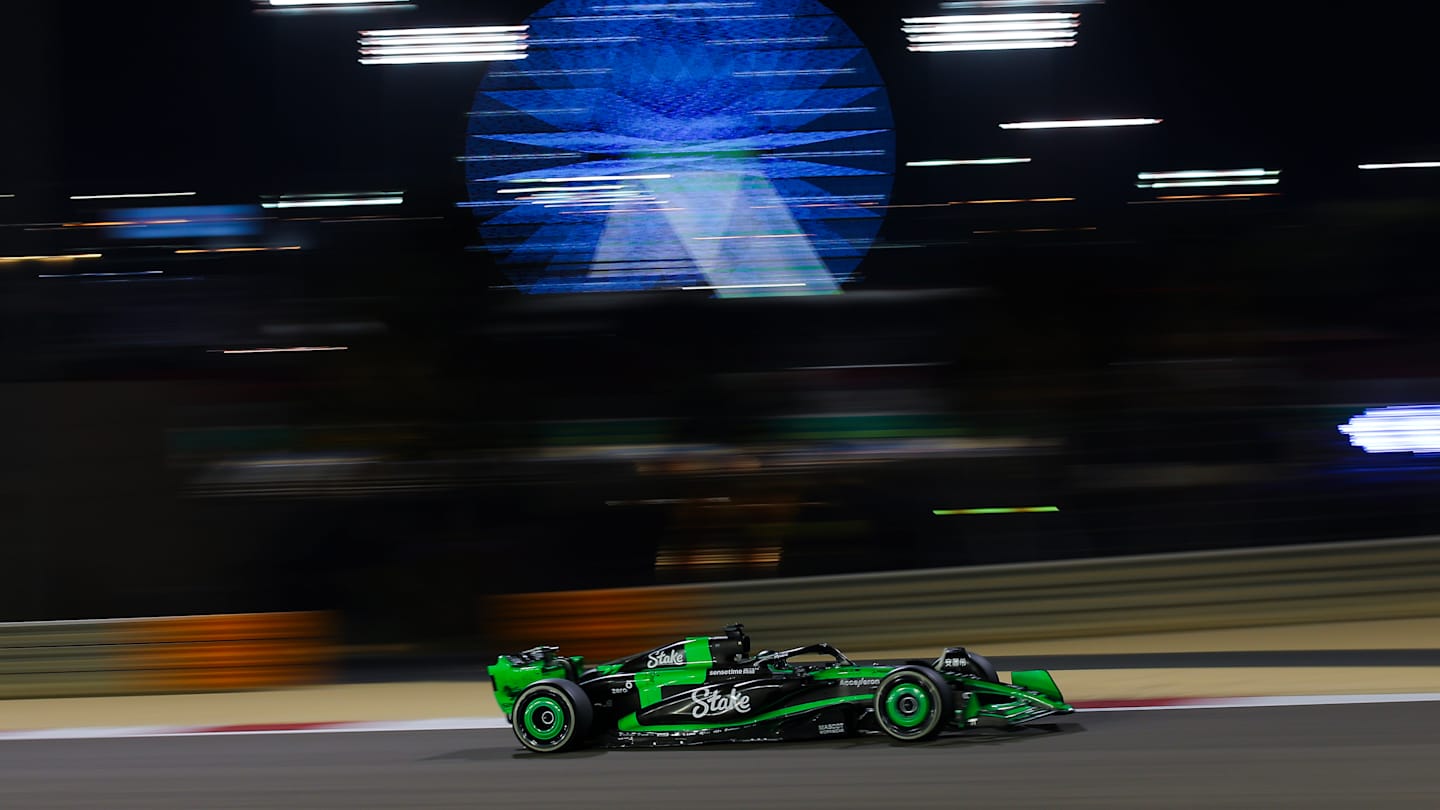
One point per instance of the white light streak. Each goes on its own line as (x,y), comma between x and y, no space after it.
(440,58)
(542,190)
(1265,181)
(1202,174)
(991,32)
(587,195)
(585,40)
(519,156)
(1426,164)
(1049,27)
(102,275)
(752,236)
(737,17)
(1194,198)
(815,111)
(807,72)
(191,251)
(542,111)
(481,29)
(294,3)
(986,36)
(677,6)
(132,196)
(609,17)
(447,39)
(771,41)
(416,46)
(743,286)
(1396,429)
(284,350)
(1209,178)
(333,202)
(925,164)
(960,4)
(602,198)
(425,50)
(595,179)
(827,153)
(1017,45)
(1083,122)
(342,195)
(512,74)
(953,19)
(578,204)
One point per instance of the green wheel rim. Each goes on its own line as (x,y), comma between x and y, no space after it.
(544,718)
(907,706)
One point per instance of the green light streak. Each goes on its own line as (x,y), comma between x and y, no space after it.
(975,162)
(998,510)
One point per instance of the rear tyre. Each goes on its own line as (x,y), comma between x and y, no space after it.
(914,703)
(551,716)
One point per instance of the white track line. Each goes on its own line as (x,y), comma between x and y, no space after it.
(1275,701)
(87,733)
(437,724)
(476,723)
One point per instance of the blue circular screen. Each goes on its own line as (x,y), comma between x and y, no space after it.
(743,147)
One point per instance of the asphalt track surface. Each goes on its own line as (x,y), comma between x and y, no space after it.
(1288,757)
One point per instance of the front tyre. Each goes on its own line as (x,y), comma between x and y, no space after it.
(914,703)
(984,668)
(552,716)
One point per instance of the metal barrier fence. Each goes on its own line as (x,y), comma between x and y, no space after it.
(923,609)
(926,609)
(167,654)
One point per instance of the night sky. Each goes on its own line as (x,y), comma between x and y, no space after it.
(214,97)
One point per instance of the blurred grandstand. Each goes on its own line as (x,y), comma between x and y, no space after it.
(377,422)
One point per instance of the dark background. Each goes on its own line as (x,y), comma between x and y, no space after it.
(1169,375)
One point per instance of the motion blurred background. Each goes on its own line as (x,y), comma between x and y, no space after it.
(243,396)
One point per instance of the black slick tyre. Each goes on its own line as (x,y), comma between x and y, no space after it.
(984,667)
(551,716)
(914,703)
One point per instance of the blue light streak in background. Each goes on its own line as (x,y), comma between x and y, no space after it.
(745,147)
(185,221)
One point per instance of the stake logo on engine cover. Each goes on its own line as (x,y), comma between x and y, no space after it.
(709,700)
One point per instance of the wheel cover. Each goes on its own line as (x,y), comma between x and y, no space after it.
(544,719)
(908,706)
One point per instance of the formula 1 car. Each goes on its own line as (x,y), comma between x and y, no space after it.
(707,689)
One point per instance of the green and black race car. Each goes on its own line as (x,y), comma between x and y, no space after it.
(710,689)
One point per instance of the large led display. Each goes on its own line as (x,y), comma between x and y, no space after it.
(743,147)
